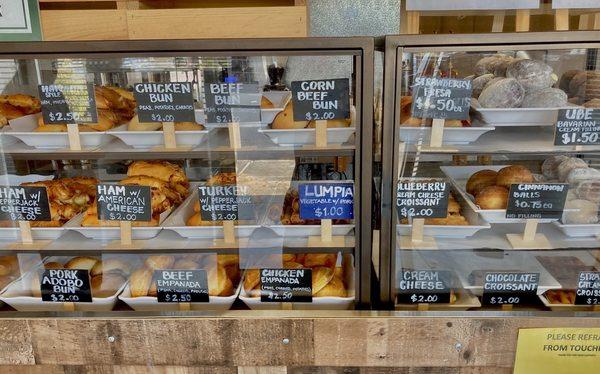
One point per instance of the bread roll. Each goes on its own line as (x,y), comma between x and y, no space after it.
(453,206)
(113,265)
(159,262)
(162,170)
(105,285)
(81,262)
(218,282)
(512,175)
(266,103)
(320,259)
(550,166)
(184,264)
(227,260)
(292,265)
(139,282)
(10,111)
(285,120)
(103,124)
(492,197)
(480,180)
(565,167)
(321,276)
(135,125)
(188,126)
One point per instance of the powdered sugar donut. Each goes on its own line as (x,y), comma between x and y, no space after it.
(577,175)
(550,165)
(589,190)
(565,167)
(587,213)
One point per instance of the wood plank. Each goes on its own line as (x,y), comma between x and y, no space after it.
(84,24)
(208,23)
(273,339)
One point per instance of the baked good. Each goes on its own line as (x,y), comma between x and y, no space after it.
(285,119)
(184,264)
(586,213)
(564,269)
(533,75)
(320,259)
(594,103)
(163,170)
(560,296)
(159,262)
(10,111)
(492,197)
(480,82)
(550,166)
(321,276)
(512,175)
(495,64)
(335,288)
(135,125)
(105,285)
(578,175)
(481,179)
(566,78)
(218,282)
(503,93)
(266,103)
(565,167)
(588,190)
(140,281)
(545,98)
(111,265)
(188,126)
(81,262)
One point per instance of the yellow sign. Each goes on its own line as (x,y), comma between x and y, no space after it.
(558,351)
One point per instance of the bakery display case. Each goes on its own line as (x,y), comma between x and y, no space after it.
(489,193)
(209,175)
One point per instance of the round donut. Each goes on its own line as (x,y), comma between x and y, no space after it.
(513,174)
(565,167)
(481,180)
(550,165)
(492,197)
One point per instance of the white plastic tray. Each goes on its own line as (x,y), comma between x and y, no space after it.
(294,137)
(150,304)
(278,98)
(112,233)
(17,295)
(22,128)
(177,222)
(452,135)
(38,233)
(520,116)
(459,175)
(308,230)
(578,231)
(149,139)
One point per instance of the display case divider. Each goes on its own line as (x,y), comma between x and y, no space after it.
(235,141)
(437,133)
(25,230)
(321,134)
(74,139)
(228,232)
(126,238)
(530,238)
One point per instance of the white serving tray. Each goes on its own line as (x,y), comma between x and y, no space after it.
(177,222)
(295,137)
(278,98)
(113,233)
(452,135)
(22,129)
(578,230)
(520,116)
(459,175)
(149,139)
(5,138)
(151,304)
(308,230)
(17,295)
(37,233)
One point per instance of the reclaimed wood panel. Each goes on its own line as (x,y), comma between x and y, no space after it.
(292,339)
(84,24)
(260,22)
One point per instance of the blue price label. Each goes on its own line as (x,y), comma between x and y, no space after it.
(333,200)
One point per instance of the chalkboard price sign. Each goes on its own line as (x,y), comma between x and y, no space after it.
(66,285)
(441,98)
(227,102)
(536,200)
(326,200)
(164,102)
(577,126)
(424,286)
(285,285)
(588,288)
(124,203)
(181,286)
(419,198)
(510,288)
(222,203)
(24,203)
(321,99)
(68,103)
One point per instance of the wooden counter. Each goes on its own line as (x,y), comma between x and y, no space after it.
(280,340)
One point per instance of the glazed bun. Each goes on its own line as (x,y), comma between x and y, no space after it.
(481,180)
(492,197)
(513,174)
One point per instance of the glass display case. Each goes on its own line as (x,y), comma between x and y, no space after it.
(186,175)
(489,192)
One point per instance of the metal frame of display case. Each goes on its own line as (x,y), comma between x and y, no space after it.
(361,48)
(393,46)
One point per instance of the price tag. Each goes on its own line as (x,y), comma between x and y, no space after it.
(164,102)
(68,103)
(326,200)
(230,102)
(422,198)
(443,98)
(66,285)
(24,203)
(588,288)
(124,203)
(181,286)
(321,99)
(577,126)
(222,203)
(510,288)
(286,285)
(424,286)
(536,200)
